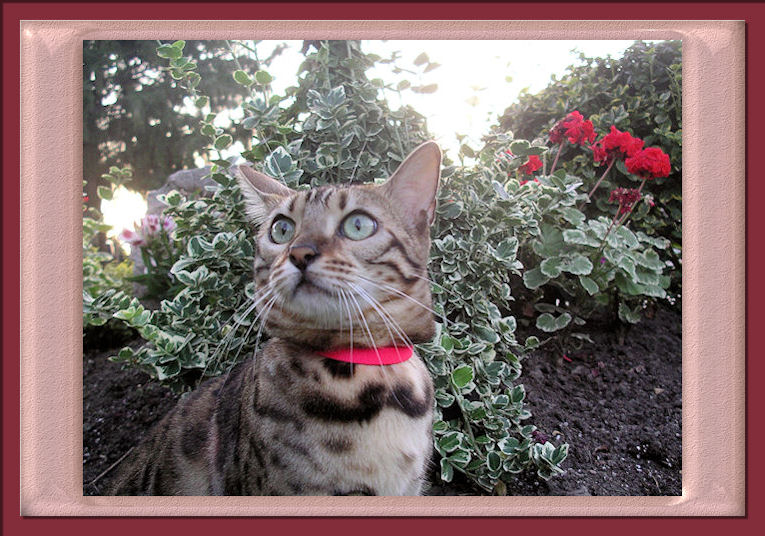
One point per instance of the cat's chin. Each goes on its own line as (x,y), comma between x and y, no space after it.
(312,288)
(314,306)
(316,300)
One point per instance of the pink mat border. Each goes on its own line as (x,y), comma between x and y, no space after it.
(713,276)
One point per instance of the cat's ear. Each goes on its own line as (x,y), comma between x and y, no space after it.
(261,192)
(414,184)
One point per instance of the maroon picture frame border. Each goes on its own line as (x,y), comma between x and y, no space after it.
(12,523)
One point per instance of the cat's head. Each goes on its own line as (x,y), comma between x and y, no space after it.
(340,259)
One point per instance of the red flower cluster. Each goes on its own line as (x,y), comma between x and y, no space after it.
(616,144)
(575,128)
(649,163)
(626,197)
(531,165)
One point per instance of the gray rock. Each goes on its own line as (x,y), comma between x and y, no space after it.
(186,181)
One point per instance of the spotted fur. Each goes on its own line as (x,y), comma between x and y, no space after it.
(288,421)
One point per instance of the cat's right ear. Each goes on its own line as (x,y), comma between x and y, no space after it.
(261,192)
(413,186)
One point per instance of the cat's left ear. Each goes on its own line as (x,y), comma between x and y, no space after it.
(414,184)
(261,193)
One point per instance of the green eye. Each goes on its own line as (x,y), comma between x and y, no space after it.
(282,230)
(358,226)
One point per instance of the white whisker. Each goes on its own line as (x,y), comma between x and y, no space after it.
(386,317)
(429,280)
(229,337)
(394,290)
(267,310)
(377,351)
(350,324)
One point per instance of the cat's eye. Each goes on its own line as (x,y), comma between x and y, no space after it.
(358,226)
(282,230)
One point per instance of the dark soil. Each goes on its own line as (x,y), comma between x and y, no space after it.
(617,403)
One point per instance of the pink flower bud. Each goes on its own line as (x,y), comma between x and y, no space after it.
(131,237)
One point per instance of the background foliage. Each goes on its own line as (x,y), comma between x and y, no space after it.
(147,125)
(507,258)
(640,92)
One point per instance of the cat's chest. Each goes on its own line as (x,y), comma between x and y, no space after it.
(363,430)
(388,457)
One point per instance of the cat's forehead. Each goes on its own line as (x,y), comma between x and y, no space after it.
(339,199)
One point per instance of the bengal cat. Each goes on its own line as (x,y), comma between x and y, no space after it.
(337,268)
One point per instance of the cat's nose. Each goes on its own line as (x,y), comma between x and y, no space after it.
(301,255)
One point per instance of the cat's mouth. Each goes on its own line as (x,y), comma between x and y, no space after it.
(307,285)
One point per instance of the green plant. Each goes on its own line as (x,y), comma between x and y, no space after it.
(337,128)
(640,93)
(101,270)
(503,242)
(482,426)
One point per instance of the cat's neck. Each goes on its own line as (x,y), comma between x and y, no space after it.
(375,334)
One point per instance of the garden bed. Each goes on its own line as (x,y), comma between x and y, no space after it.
(617,403)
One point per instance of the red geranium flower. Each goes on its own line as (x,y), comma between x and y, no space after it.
(616,144)
(574,128)
(626,197)
(531,165)
(649,163)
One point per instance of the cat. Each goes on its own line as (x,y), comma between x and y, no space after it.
(336,268)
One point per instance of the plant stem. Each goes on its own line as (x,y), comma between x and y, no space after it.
(616,216)
(246,46)
(549,339)
(557,155)
(603,243)
(465,419)
(233,55)
(589,196)
(620,221)
(112,466)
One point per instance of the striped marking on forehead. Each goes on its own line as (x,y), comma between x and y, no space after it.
(313,207)
(321,195)
(326,196)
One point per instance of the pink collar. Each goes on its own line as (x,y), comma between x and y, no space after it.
(387,355)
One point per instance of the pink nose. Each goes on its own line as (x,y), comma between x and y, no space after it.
(301,255)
